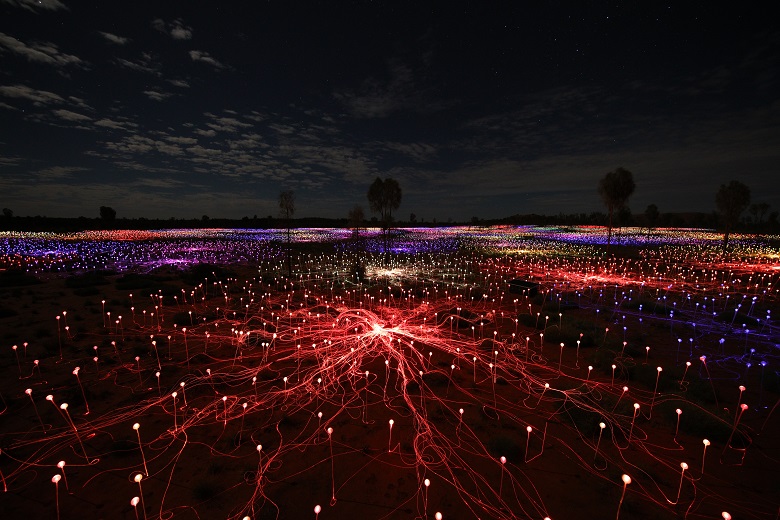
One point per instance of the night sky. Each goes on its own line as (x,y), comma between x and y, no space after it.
(486,109)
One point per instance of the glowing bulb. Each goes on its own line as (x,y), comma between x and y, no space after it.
(626,479)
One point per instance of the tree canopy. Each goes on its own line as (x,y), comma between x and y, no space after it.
(287,204)
(356,216)
(107,213)
(651,216)
(383,197)
(615,188)
(731,200)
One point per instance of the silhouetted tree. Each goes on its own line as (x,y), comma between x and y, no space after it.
(772,219)
(286,211)
(731,200)
(763,208)
(412,218)
(624,219)
(356,216)
(8,218)
(651,216)
(383,198)
(758,211)
(615,188)
(107,213)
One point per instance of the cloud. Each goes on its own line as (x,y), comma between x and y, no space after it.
(399,91)
(25,92)
(229,145)
(255,116)
(146,63)
(419,152)
(225,124)
(168,149)
(204,57)
(177,29)
(113,38)
(59,172)
(179,83)
(247,142)
(164,183)
(204,152)
(78,102)
(157,95)
(116,125)
(37,5)
(159,25)
(187,141)
(133,144)
(71,116)
(40,52)
(282,129)
(10,161)
(206,133)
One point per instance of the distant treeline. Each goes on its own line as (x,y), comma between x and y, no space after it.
(684,220)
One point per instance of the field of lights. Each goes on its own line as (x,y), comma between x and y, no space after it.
(455,373)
